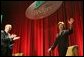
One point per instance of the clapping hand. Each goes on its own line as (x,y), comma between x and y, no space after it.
(14,36)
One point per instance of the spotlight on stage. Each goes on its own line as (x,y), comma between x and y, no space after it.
(42,9)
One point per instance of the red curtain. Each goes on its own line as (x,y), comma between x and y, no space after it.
(36,36)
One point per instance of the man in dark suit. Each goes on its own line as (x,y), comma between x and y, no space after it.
(62,38)
(7,40)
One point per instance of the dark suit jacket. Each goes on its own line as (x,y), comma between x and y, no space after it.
(6,43)
(62,41)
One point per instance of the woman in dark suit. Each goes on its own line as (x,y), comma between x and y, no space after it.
(62,38)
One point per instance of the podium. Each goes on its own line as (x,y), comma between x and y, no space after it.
(72,51)
(17,54)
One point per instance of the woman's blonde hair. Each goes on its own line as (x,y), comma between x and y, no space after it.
(62,24)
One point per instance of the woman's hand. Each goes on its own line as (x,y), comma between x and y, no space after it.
(49,49)
(71,21)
